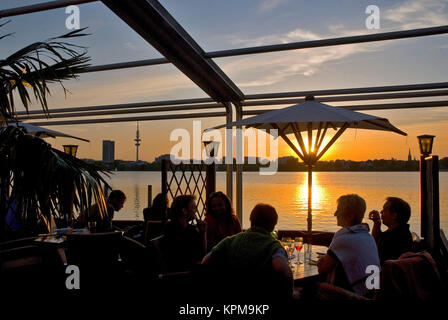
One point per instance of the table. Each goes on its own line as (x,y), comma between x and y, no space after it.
(308,268)
(54,242)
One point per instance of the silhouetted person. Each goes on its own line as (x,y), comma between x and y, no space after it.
(183,245)
(159,209)
(397,239)
(220,219)
(352,249)
(114,202)
(251,264)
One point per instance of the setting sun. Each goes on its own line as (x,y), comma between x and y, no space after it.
(285,150)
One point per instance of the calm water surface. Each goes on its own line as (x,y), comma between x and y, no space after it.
(287,192)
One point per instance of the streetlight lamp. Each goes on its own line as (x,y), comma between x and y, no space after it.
(425,142)
(71,149)
(211,148)
(429,193)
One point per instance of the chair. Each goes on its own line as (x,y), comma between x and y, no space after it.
(98,257)
(20,257)
(322,238)
(155,254)
(327,291)
(17,243)
(29,269)
(417,243)
(412,276)
(153,229)
(133,253)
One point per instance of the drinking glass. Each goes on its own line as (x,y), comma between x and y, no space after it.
(298,244)
(92,226)
(291,249)
(286,243)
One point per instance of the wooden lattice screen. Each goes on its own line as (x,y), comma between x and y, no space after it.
(195,179)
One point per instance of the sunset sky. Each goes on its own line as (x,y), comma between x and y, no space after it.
(219,25)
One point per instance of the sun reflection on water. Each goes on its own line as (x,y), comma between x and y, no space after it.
(318,196)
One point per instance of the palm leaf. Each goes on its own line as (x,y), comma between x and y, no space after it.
(45,181)
(50,61)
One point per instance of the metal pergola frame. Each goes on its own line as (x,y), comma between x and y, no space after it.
(155,24)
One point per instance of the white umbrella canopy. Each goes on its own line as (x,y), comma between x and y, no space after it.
(308,116)
(312,115)
(43,132)
(314,112)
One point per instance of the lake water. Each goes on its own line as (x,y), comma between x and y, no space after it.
(287,192)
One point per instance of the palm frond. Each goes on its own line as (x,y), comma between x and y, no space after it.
(50,61)
(8,34)
(45,181)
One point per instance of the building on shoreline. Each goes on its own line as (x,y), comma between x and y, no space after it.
(108,151)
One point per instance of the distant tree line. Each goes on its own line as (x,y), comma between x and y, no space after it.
(290,164)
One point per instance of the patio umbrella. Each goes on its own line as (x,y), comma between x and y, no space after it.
(43,132)
(308,116)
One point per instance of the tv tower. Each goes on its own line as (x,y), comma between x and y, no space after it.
(137,141)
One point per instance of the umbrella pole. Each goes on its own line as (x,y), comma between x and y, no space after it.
(310,199)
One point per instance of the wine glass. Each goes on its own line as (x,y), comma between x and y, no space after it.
(291,249)
(298,244)
(286,243)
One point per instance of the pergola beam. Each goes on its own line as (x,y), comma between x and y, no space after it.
(131,119)
(41,7)
(125,65)
(123,111)
(124,106)
(406,87)
(432,93)
(381,96)
(385,106)
(287,46)
(332,42)
(155,24)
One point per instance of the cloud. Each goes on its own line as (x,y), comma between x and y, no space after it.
(269,69)
(288,37)
(417,14)
(132,46)
(267,5)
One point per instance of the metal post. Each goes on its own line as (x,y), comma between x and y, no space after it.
(164,177)
(310,200)
(239,167)
(432,222)
(423,197)
(210,180)
(149,195)
(229,153)
(435,219)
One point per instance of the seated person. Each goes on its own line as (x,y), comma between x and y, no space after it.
(114,202)
(397,239)
(352,249)
(220,219)
(158,210)
(183,245)
(252,264)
